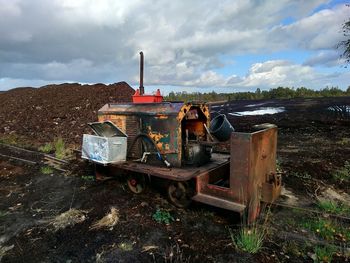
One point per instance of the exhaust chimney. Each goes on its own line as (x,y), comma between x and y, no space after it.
(142,89)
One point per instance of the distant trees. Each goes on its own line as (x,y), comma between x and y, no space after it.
(277,93)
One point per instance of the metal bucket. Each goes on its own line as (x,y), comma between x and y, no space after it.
(221,128)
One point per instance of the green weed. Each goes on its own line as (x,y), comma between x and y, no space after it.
(324,253)
(249,239)
(342,174)
(9,139)
(162,216)
(47,148)
(46,170)
(294,249)
(322,227)
(303,175)
(328,229)
(15,140)
(333,207)
(61,151)
(88,178)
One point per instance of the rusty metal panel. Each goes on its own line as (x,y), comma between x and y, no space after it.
(253,162)
(117,120)
(174,173)
(164,131)
(252,169)
(132,124)
(165,123)
(166,108)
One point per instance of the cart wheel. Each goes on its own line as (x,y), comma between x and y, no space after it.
(179,194)
(137,183)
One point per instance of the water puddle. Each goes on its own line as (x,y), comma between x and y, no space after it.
(218,106)
(260,111)
(254,105)
(340,108)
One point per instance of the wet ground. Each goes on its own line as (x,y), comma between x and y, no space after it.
(314,141)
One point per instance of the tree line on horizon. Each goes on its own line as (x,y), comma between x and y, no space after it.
(275,93)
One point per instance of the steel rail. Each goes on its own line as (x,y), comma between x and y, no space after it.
(18,159)
(44,158)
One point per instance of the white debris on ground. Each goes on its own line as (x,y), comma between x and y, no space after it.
(108,221)
(4,249)
(333,195)
(288,197)
(69,218)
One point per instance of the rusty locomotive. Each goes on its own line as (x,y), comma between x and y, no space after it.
(150,138)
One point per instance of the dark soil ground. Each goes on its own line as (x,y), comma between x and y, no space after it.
(313,143)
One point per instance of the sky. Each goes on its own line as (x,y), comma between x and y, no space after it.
(197,45)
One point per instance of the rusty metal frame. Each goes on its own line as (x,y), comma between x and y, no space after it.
(174,173)
(252,170)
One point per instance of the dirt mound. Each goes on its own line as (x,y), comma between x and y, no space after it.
(56,110)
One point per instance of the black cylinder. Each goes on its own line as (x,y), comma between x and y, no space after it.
(221,128)
(142,89)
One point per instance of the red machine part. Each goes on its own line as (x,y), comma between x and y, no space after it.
(147,98)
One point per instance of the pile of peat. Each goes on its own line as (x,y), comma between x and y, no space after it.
(45,113)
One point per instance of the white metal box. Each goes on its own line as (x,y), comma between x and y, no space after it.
(108,146)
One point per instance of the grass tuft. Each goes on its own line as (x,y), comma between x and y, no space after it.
(324,254)
(60,148)
(328,229)
(46,170)
(125,246)
(47,148)
(333,207)
(16,140)
(249,239)
(322,227)
(343,174)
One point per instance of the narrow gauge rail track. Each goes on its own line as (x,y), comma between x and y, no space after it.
(15,153)
(31,157)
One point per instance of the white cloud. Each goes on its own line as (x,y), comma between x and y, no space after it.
(9,8)
(328,58)
(207,79)
(321,30)
(183,41)
(279,73)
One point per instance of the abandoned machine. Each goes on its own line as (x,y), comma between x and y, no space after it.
(175,142)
